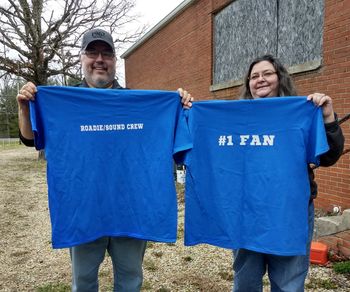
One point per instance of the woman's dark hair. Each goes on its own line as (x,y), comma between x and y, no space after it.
(286,85)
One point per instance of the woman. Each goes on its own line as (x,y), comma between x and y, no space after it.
(267,77)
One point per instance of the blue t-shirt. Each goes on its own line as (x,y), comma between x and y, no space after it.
(247,182)
(109,161)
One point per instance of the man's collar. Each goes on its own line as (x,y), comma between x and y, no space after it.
(115,84)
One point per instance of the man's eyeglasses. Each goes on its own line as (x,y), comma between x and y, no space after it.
(265,75)
(94,54)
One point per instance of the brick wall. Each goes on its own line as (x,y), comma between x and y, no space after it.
(333,78)
(338,244)
(180,55)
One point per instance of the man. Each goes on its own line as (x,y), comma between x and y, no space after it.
(98,63)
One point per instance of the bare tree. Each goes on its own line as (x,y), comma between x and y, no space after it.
(40,39)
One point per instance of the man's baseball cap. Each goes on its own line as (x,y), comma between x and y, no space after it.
(97,34)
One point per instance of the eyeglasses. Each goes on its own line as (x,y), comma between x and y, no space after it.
(92,54)
(265,75)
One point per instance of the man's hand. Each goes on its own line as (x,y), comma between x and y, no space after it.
(26,94)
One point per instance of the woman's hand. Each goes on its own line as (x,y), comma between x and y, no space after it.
(324,101)
(186,98)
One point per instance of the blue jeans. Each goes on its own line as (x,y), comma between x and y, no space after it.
(286,273)
(126,254)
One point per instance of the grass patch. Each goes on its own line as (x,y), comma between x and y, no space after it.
(150,265)
(146,286)
(180,189)
(180,231)
(163,289)
(150,244)
(8,146)
(342,267)
(227,276)
(187,259)
(316,283)
(157,254)
(266,281)
(19,253)
(59,287)
(103,274)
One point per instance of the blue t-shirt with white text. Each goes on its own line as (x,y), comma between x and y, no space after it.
(110,161)
(247,182)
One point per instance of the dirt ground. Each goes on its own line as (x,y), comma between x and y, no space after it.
(28,262)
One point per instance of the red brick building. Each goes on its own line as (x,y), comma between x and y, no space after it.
(178,52)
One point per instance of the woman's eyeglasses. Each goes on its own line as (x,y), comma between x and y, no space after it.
(265,75)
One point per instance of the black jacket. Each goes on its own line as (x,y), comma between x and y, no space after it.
(335,141)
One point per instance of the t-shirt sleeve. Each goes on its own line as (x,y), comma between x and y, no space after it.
(317,144)
(37,126)
(182,138)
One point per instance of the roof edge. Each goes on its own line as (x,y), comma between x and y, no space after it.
(179,9)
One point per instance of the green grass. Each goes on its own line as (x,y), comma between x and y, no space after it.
(158,254)
(342,267)
(8,146)
(150,244)
(316,283)
(146,286)
(163,289)
(187,259)
(226,275)
(180,189)
(58,287)
(266,281)
(150,265)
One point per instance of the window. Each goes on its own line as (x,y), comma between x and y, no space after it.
(246,29)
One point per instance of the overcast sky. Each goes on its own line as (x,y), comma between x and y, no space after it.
(151,12)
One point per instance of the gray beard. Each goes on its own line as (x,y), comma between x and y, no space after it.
(97,82)
(102,83)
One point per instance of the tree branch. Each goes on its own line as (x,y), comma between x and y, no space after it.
(43,42)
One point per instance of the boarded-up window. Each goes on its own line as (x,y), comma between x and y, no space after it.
(246,29)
